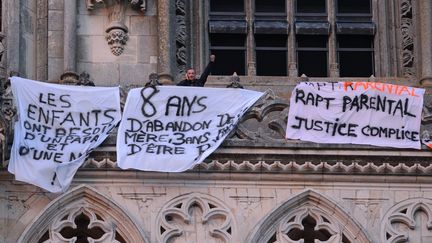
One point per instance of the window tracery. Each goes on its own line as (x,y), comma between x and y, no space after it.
(193,217)
(408,221)
(308,217)
(83,215)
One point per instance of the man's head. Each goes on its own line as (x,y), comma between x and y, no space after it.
(190,74)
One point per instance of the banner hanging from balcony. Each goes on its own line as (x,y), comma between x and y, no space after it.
(171,129)
(371,113)
(57,127)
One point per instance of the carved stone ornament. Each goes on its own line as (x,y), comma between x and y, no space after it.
(408,221)
(91,3)
(84,80)
(407,34)
(265,121)
(117,31)
(235,82)
(141,4)
(136,4)
(181,37)
(117,37)
(7,114)
(2,50)
(188,216)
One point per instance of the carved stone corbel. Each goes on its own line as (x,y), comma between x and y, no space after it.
(91,3)
(117,31)
(141,4)
(136,4)
(117,37)
(84,80)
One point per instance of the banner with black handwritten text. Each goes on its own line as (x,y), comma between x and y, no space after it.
(172,128)
(57,127)
(370,113)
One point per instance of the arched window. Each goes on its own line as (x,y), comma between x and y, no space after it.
(308,216)
(83,215)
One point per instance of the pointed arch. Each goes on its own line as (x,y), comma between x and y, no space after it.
(83,201)
(308,205)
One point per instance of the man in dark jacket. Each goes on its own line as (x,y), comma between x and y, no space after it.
(190,75)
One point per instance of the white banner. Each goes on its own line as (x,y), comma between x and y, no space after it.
(171,128)
(371,113)
(57,127)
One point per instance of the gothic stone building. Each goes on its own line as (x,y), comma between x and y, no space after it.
(257,187)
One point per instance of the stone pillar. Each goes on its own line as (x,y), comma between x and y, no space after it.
(13,36)
(250,55)
(164,40)
(332,50)
(425,9)
(69,44)
(292,60)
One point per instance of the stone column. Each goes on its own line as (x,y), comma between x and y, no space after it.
(69,43)
(332,50)
(250,55)
(292,60)
(425,9)
(13,35)
(164,40)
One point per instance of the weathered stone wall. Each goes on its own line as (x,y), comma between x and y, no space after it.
(245,201)
(257,185)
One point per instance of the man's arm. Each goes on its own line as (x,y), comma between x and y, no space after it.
(207,71)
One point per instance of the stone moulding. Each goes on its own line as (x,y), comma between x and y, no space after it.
(295,164)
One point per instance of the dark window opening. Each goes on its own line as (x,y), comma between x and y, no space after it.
(271,55)
(270,40)
(356,56)
(236,40)
(355,41)
(353,6)
(309,234)
(271,63)
(312,55)
(226,5)
(311,6)
(229,61)
(82,231)
(312,41)
(270,6)
(230,50)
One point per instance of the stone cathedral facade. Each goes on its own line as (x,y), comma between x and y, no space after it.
(258,186)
